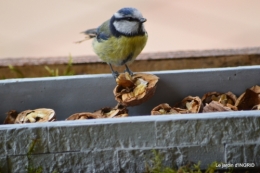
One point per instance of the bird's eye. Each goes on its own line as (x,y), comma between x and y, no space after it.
(129,18)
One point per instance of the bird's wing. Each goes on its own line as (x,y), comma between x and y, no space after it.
(103,32)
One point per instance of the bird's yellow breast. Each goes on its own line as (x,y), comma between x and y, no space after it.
(121,50)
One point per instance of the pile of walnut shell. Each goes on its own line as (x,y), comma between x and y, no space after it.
(137,89)
(107,112)
(213,102)
(129,91)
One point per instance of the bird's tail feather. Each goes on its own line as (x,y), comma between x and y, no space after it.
(90,33)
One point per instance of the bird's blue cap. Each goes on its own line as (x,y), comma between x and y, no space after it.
(127,10)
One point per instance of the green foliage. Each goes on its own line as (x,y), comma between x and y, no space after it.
(212,167)
(18,73)
(68,72)
(30,168)
(51,72)
(157,166)
(55,171)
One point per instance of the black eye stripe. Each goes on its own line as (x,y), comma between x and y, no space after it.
(128,19)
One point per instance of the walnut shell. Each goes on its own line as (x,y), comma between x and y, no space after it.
(11,116)
(163,109)
(256,107)
(37,115)
(189,105)
(107,112)
(223,98)
(135,90)
(249,99)
(226,99)
(83,116)
(116,112)
(215,106)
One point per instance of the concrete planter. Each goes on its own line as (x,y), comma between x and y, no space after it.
(114,145)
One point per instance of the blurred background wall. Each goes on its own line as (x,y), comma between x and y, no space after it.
(31,28)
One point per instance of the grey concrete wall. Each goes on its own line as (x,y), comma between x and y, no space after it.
(125,144)
(113,145)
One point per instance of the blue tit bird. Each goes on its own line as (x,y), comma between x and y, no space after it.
(119,40)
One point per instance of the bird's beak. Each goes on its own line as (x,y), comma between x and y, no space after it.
(142,20)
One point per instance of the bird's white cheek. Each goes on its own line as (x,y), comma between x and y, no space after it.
(126,26)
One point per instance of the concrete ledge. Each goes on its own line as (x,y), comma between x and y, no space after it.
(125,144)
(68,95)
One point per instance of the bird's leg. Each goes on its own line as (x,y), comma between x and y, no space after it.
(128,70)
(114,73)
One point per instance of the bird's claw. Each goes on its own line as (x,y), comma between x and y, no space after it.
(115,74)
(128,70)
